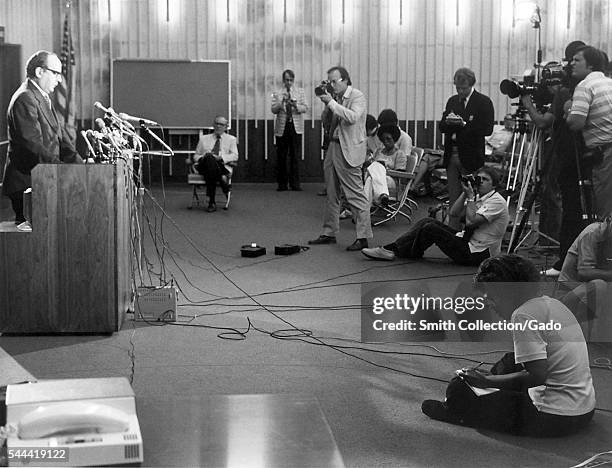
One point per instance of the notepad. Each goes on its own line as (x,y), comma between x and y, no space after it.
(477,390)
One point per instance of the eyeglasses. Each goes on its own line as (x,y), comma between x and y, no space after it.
(55,72)
(223,124)
(336,81)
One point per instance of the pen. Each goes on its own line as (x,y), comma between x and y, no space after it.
(474,368)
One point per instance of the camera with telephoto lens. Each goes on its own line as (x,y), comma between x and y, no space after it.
(539,92)
(324,88)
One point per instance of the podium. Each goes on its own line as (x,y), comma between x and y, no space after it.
(72,272)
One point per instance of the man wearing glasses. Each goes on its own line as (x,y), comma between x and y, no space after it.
(35,133)
(344,158)
(214,158)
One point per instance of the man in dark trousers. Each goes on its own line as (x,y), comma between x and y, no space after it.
(35,133)
(289,106)
(467,119)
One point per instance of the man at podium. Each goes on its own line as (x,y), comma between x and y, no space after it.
(35,133)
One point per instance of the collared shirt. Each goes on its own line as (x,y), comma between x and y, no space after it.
(44,94)
(489,235)
(467,99)
(593,99)
(591,249)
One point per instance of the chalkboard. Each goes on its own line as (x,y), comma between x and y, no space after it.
(175,93)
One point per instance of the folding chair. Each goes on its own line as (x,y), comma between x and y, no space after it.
(195,179)
(401,204)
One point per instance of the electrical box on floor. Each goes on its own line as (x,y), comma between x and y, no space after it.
(156,304)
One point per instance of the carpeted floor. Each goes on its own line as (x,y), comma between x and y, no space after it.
(371,399)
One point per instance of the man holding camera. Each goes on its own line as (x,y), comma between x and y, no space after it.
(344,157)
(564,157)
(467,119)
(289,105)
(486,219)
(591,113)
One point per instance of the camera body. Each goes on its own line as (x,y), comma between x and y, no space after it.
(471,180)
(553,73)
(325,87)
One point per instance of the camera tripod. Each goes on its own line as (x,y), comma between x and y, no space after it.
(525,168)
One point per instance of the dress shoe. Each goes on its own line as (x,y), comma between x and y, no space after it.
(211,207)
(379,253)
(281,189)
(322,239)
(296,189)
(358,245)
(551,273)
(322,193)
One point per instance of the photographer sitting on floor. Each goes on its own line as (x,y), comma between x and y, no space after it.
(486,219)
(550,393)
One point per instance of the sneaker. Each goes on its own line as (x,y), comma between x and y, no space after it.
(346,214)
(551,273)
(439,411)
(379,253)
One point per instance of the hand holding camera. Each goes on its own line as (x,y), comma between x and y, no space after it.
(324,91)
(469,184)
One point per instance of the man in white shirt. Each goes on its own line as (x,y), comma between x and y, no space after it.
(486,219)
(215,158)
(587,275)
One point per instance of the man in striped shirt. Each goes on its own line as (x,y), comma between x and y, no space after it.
(591,113)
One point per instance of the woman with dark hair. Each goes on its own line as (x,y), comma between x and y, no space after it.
(549,392)
(377,184)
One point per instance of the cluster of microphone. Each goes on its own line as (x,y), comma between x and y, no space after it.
(114,135)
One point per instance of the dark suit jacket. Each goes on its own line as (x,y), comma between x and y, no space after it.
(35,136)
(479,117)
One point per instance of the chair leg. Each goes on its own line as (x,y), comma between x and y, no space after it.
(227,201)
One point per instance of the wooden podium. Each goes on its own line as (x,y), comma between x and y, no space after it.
(72,273)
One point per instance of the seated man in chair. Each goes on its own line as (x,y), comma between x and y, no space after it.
(214,158)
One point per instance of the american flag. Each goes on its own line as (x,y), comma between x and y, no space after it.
(64,92)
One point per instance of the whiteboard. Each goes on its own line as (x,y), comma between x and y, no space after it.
(175,93)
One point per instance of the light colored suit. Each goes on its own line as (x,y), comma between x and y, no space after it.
(228,149)
(279,110)
(343,160)
(349,119)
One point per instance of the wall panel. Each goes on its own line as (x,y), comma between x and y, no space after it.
(401,53)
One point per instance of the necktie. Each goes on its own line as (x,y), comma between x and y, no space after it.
(217,146)
(47,100)
(463,102)
(288,106)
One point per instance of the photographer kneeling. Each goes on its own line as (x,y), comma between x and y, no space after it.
(550,393)
(486,219)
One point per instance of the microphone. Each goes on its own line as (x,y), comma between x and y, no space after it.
(140,120)
(104,109)
(101,125)
(91,150)
(113,115)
